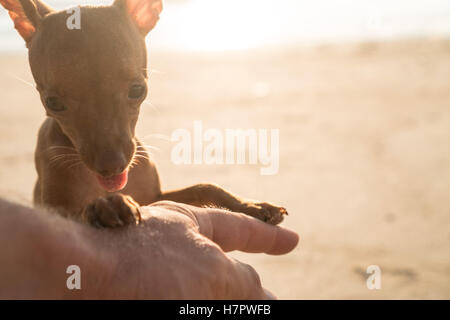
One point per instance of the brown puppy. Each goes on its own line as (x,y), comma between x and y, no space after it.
(92,82)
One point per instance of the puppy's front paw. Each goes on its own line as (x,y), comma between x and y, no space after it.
(265,211)
(113,211)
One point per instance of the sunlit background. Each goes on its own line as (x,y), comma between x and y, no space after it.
(214,25)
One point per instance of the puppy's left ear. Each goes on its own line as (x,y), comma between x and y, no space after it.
(25,16)
(144,13)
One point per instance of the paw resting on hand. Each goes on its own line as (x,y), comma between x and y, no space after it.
(265,211)
(113,211)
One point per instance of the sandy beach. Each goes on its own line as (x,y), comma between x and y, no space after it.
(364,154)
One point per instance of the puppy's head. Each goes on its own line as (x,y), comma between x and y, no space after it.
(89,65)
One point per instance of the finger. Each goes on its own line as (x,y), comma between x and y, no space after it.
(236,231)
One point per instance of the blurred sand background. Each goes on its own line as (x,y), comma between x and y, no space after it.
(364,154)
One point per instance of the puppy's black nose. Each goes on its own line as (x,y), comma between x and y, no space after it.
(110,163)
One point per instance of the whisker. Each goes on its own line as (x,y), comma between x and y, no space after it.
(158,136)
(152,70)
(141,151)
(144,147)
(67,162)
(140,154)
(61,147)
(58,164)
(22,80)
(136,159)
(134,162)
(63,156)
(155,108)
(142,157)
(76,164)
(145,151)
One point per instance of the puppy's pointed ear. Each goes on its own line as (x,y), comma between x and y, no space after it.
(26,15)
(144,13)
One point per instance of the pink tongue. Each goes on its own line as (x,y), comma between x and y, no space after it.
(114,183)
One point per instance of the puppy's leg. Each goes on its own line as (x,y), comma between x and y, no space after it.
(213,195)
(84,202)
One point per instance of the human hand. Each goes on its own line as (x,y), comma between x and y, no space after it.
(184,253)
(177,252)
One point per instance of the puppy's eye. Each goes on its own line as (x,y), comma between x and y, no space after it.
(54,104)
(136,91)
